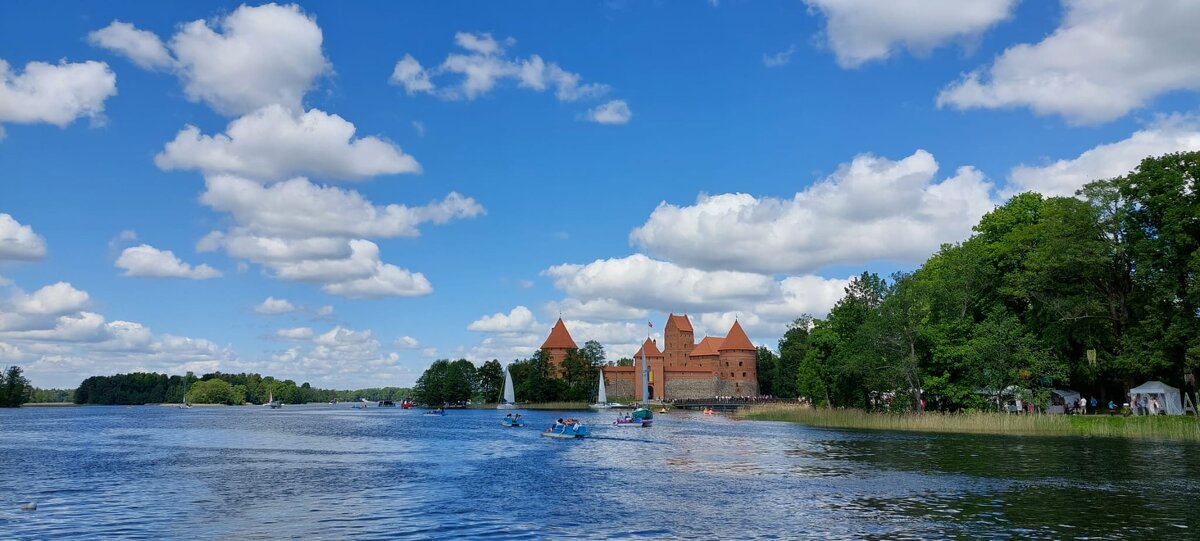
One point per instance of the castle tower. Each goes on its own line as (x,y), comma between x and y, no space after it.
(558,344)
(737,360)
(678,341)
(654,358)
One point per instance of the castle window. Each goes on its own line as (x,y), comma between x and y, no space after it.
(739,363)
(743,374)
(731,374)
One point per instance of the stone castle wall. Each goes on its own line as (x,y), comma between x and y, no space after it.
(619,386)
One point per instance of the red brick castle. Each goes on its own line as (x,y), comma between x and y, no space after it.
(682,369)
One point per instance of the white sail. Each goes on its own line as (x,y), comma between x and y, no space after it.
(602,397)
(509,395)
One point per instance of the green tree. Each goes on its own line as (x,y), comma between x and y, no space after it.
(14,388)
(430,387)
(768,367)
(784,372)
(215,391)
(491,381)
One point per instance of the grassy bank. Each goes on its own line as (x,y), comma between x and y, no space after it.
(558,406)
(1183,428)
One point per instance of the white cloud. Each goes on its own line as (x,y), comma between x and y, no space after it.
(871,209)
(638,281)
(253,57)
(271,305)
(407,342)
(58,343)
(298,207)
(296,333)
(613,112)
(780,58)
(519,319)
(341,357)
(1064,176)
(326,310)
(484,66)
(594,310)
(419,127)
(859,31)
(385,281)
(1106,58)
(55,93)
(409,73)
(146,260)
(19,242)
(271,144)
(54,299)
(143,48)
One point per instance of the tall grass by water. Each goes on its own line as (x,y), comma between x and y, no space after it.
(1177,428)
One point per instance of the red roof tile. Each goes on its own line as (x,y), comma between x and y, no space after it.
(736,339)
(651,348)
(559,338)
(681,322)
(709,346)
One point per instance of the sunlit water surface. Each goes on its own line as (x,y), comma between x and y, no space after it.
(330,472)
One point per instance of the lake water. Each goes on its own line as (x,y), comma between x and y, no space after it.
(329,472)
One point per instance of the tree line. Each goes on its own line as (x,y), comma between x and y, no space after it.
(1097,293)
(534,379)
(14,388)
(215,388)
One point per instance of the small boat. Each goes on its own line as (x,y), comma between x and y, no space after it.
(627,422)
(601,396)
(709,411)
(567,432)
(406,404)
(387,404)
(438,411)
(663,410)
(512,422)
(509,400)
(643,413)
(359,406)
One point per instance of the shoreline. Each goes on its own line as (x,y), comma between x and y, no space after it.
(1163,428)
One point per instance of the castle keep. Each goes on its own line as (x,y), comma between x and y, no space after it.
(682,368)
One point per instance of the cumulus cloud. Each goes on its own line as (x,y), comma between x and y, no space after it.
(18,242)
(486,65)
(1065,176)
(143,48)
(407,342)
(640,282)
(860,31)
(250,58)
(58,342)
(298,207)
(870,209)
(341,357)
(55,93)
(271,144)
(326,310)
(1105,59)
(601,309)
(519,319)
(613,112)
(148,261)
(271,305)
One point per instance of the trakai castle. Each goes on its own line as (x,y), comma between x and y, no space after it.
(682,368)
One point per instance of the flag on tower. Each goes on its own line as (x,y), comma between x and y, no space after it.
(650,324)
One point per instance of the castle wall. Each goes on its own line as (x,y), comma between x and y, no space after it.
(619,384)
(677,344)
(678,387)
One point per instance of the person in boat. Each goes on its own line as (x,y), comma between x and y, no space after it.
(509,416)
(558,424)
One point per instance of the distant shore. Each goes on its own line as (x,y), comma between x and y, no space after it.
(562,406)
(48,404)
(1173,428)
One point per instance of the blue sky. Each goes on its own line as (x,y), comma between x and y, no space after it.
(610,162)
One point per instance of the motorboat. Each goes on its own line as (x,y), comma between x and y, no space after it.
(387,404)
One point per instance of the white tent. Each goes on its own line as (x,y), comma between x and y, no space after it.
(1168,396)
(1062,400)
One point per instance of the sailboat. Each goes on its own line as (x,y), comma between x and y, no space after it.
(601,397)
(643,413)
(509,402)
(275,404)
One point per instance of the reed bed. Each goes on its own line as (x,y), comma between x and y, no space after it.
(1184,428)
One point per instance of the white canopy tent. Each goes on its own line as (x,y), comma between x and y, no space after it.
(1062,401)
(1168,396)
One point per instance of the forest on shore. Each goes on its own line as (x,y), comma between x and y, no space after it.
(1096,293)
(215,388)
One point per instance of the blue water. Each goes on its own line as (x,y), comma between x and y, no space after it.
(326,472)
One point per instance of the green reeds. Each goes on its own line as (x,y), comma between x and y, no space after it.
(1177,428)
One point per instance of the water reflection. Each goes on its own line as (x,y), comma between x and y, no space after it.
(253,473)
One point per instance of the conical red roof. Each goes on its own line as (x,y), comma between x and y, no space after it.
(736,339)
(559,338)
(709,346)
(650,348)
(681,322)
